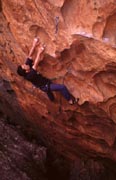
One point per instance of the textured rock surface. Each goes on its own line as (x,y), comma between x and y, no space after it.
(81,53)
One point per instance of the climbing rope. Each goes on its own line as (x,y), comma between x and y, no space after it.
(56,24)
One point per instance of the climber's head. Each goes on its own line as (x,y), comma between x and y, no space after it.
(23,69)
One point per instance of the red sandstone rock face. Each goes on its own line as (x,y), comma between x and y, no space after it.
(81,53)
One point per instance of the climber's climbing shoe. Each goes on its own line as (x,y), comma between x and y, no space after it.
(73,101)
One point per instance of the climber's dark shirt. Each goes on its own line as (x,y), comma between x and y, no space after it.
(36,79)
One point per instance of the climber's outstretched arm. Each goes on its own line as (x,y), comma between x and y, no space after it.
(38,57)
(35,43)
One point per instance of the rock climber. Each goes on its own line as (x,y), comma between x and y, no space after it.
(29,71)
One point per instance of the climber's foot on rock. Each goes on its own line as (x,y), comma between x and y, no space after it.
(73,101)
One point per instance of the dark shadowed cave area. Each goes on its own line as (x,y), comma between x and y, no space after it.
(25,155)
